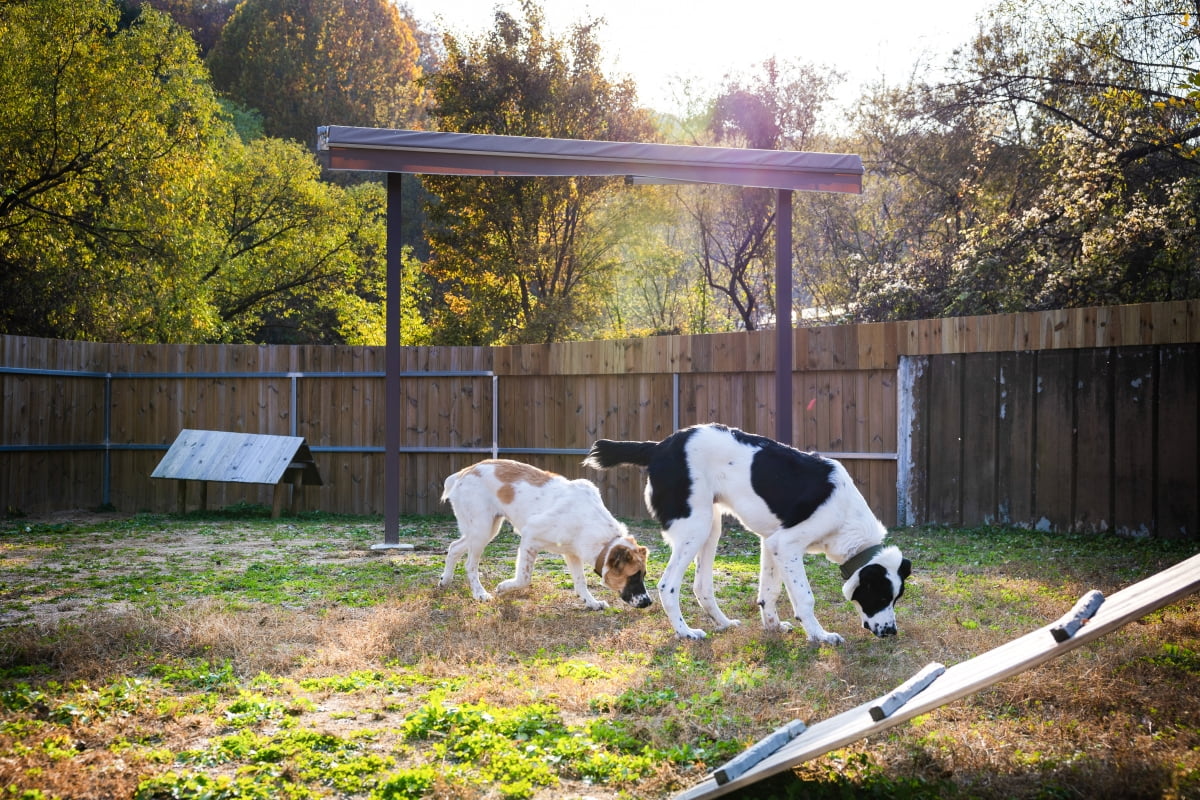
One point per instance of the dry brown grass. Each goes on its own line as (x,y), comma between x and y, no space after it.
(1119,718)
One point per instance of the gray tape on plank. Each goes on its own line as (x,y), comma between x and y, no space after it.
(893,700)
(739,764)
(1077,617)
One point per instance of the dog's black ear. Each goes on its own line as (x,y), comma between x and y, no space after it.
(905,568)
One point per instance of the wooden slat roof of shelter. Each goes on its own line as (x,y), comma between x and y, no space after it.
(386,150)
(229,456)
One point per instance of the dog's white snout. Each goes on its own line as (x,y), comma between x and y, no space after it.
(882,624)
(635,593)
(881,630)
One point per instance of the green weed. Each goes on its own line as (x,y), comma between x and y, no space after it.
(198,786)
(202,675)
(1179,658)
(406,784)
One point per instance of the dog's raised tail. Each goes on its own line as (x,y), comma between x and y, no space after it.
(451,481)
(606,453)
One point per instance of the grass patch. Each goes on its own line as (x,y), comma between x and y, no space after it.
(228,655)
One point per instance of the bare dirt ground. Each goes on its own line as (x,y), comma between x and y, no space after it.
(96,558)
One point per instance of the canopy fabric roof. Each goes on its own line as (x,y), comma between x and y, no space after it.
(386,150)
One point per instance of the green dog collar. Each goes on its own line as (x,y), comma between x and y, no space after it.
(859,560)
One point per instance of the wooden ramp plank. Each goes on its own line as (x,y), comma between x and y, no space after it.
(968,677)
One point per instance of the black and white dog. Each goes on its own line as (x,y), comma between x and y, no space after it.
(797,502)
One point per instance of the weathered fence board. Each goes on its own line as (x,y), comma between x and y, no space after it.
(1093,440)
(1053,445)
(980,414)
(1178,443)
(944,435)
(1134,458)
(1015,431)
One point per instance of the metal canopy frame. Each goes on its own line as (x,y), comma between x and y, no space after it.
(396,152)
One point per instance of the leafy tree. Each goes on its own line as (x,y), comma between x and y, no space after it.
(1073,131)
(1098,100)
(889,253)
(361,315)
(133,211)
(521,259)
(284,254)
(736,247)
(305,63)
(203,18)
(94,121)
(659,282)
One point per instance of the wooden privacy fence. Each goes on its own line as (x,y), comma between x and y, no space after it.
(1086,439)
(84,424)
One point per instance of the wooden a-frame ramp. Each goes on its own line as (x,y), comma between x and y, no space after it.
(1092,617)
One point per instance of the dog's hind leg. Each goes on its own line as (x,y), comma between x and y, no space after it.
(454,554)
(702,586)
(686,537)
(470,544)
(770,582)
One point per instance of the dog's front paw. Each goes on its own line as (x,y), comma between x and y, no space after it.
(729,623)
(825,637)
(482,597)
(691,633)
(596,605)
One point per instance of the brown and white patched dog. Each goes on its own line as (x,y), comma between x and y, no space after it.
(549,513)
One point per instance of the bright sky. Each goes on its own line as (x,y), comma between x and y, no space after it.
(659,42)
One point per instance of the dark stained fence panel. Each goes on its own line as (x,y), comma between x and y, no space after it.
(944,434)
(980,414)
(1178,442)
(1094,439)
(1016,374)
(1053,446)
(1134,437)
